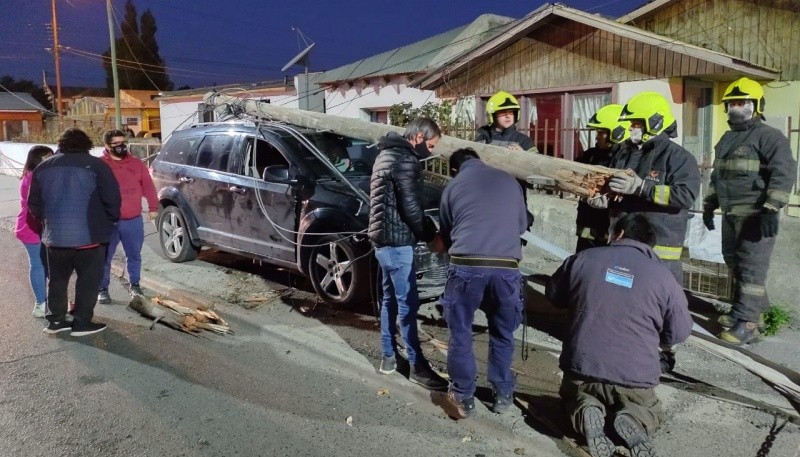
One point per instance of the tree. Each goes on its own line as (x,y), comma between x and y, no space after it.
(138,62)
(402,113)
(29,87)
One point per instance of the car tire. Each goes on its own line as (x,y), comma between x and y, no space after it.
(173,236)
(338,271)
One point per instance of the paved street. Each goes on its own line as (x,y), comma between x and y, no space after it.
(286,382)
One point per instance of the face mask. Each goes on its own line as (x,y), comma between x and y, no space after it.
(119,151)
(422,150)
(636,136)
(740,113)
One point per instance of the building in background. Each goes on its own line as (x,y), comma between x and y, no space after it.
(20,115)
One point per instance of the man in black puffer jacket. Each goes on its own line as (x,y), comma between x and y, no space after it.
(396,222)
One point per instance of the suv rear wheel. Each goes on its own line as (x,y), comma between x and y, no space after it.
(173,236)
(338,274)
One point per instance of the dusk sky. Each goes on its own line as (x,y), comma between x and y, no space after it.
(237,41)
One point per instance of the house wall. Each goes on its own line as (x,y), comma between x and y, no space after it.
(181,112)
(765,33)
(357,101)
(31,122)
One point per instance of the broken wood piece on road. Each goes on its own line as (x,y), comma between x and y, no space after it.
(179,317)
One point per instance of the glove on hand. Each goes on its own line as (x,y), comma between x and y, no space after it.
(667,361)
(708,219)
(769,223)
(627,184)
(599,202)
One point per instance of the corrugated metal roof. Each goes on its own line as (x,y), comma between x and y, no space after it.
(425,55)
(540,16)
(19,101)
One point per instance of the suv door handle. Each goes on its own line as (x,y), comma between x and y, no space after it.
(185,179)
(237,190)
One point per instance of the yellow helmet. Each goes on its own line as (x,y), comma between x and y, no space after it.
(745,89)
(502,101)
(651,108)
(607,118)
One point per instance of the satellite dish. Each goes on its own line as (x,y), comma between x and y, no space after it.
(299,59)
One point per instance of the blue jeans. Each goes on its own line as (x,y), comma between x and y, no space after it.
(497,292)
(400,297)
(131,233)
(37,271)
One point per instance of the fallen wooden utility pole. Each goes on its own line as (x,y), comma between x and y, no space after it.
(577,178)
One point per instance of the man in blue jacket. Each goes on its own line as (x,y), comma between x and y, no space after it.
(623,307)
(77,198)
(482,215)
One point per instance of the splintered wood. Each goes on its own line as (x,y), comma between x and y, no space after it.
(179,317)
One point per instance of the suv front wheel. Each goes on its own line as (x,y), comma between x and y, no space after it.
(339,275)
(173,235)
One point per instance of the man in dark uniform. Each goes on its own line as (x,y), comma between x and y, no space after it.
(481,216)
(663,178)
(592,223)
(753,175)
(502,109)
(623,307)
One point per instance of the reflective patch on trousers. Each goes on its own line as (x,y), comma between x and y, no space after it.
(753,289)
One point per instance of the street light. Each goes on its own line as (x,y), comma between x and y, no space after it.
(112,39)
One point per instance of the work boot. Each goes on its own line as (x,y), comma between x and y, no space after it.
(136,289)
(502,403)
(636,440)
(727,321)
(594,422)
(459,409)
(424,375)
(103,297)
(388,365)
(741,333)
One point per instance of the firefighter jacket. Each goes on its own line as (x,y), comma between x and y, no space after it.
(671,184)
(753,165)
(397,216)
(623,303)
(592,223)
(490,135)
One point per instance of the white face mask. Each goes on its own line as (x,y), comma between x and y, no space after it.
(636,136)
(740,113)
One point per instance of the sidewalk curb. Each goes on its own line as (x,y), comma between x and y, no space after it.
(167,290)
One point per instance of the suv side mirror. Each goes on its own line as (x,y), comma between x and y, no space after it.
(279,174)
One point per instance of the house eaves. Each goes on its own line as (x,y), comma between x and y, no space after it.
(644,10)
(421,56)
(543,15)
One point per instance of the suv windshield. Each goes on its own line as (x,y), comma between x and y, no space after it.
(352,157)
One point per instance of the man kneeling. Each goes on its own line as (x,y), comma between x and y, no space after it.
(624,304)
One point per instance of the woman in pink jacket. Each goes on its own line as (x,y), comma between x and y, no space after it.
(27,230)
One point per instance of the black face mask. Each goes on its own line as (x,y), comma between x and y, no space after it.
(422,150)
(119,151)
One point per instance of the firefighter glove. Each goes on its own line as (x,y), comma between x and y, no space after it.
(708,219)
(599,201)
(627,184)
(769,223)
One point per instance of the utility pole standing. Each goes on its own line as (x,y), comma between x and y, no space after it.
(117,110)
(56,52)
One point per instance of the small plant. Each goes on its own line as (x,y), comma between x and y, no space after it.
(775,318)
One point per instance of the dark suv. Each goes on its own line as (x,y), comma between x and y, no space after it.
(290,196)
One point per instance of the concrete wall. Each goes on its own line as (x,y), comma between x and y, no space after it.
(358,100)
(13,156)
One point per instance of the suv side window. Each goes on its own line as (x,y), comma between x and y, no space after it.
(263,155)
(214,151)
(178,150)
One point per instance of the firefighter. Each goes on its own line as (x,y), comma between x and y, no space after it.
(753,175)
(662,179)
(502,110)
(592,223)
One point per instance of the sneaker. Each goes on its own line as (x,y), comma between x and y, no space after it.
(39,309)
(502,403)
(727,321)
(424,375)
(57,327)
(459,409)
(103,297)
(636,440)
(135,290)
(388,365)
(87,329)
(741,333)
(594,422)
